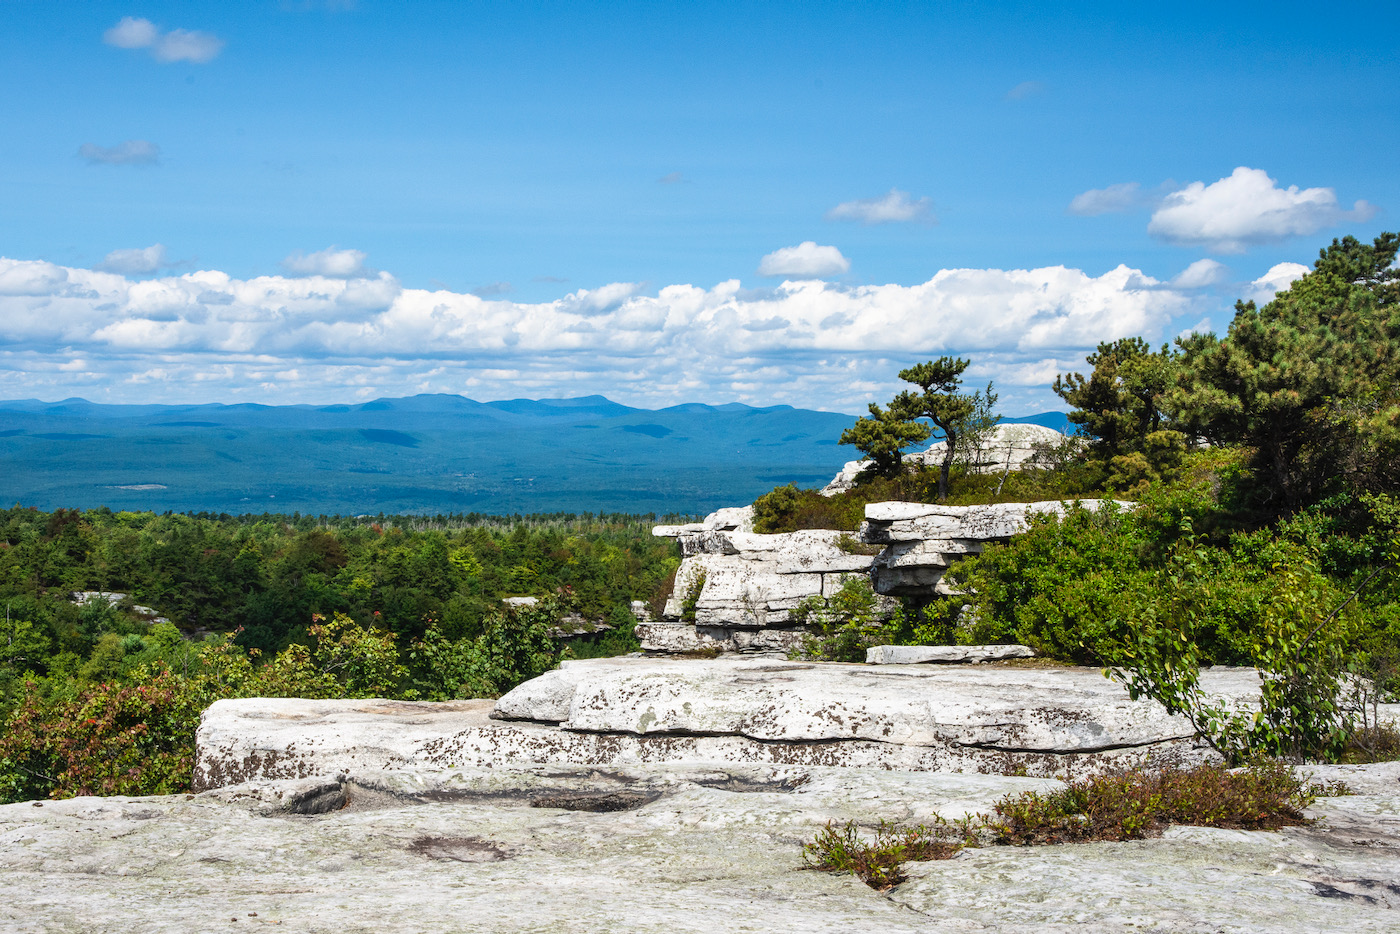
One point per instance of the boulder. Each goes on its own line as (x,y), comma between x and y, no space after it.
(944,654)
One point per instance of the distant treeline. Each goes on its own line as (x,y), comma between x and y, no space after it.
(263,577)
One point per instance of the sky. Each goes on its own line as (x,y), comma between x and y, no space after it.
(767,203)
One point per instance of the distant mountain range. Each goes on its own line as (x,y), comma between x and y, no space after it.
(421,454)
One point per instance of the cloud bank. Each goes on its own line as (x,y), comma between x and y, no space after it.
(177,45)
(208,336)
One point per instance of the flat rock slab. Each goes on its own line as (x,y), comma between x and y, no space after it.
(944,654)
(1057,710)
(609,712)
(686,850)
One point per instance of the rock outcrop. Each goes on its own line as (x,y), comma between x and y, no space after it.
(923,540)
(1008,448)
(610,712)
(735,588)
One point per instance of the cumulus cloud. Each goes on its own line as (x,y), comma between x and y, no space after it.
(807,260)
(806,342)
(331,261)
(136,261)
(131,152)
(1201,274)
(1278,278)
(1115,199)
(177,45)
(1247,208)
(895,207)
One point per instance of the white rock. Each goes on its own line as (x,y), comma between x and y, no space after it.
(1068,710)
(673,638)
(1009,447)
(735,518)
(698,849)
(923,718)
(914,522)
(921,654)
(753,580)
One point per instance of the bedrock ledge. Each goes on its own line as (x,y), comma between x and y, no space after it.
(614,712)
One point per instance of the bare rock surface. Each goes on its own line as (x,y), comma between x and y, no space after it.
(918,522)
(1009,447)
(609,712)
(943,654)
(658,848)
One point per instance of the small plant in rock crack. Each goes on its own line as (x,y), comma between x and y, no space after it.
(1127,806)
(879,863)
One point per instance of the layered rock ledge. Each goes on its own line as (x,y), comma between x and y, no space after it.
(735,589)
(611,712)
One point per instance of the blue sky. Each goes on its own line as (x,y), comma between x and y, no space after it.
(287,202)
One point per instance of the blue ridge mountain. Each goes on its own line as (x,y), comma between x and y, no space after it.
(421,454)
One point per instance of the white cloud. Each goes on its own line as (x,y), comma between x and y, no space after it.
(1200,274)
(131,152)
(1247,208)
(807,260)
(132,33)
(135,261)
(804,342)
(1278,278)
(187,45)
(1115,199)
(328,262)
(671,178)
(177,45)
(895,207)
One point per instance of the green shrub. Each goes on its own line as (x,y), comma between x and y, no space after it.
(691,599)
(842,626)
(879,864)
(1126,806)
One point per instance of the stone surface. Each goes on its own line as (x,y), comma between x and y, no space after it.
(660,849)
(1009,448)
(943,654)
(919,522)
(608,712)
(677,639)
(752,580)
